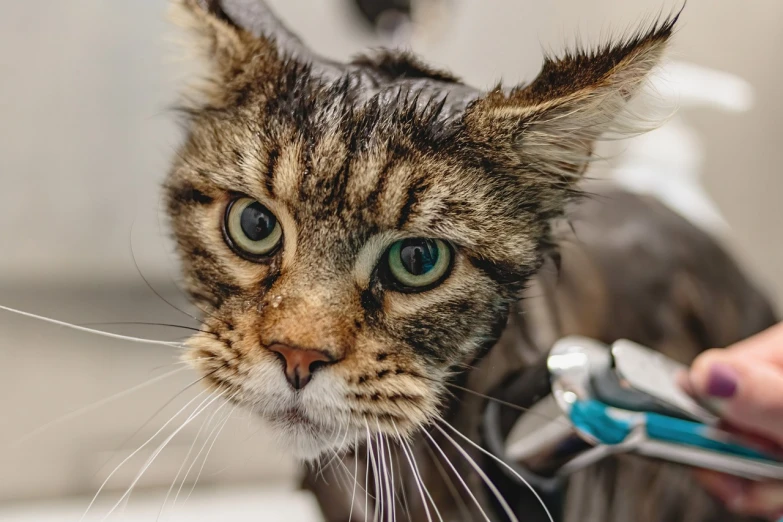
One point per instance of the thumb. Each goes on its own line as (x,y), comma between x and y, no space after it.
(746,391)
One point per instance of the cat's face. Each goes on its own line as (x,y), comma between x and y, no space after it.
(351,243)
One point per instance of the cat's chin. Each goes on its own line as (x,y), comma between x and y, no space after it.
(305,439)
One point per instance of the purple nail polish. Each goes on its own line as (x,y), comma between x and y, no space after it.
(722,381)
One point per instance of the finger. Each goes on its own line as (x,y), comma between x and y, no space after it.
(763,499)
(726,488)
(744,391)
(767,344)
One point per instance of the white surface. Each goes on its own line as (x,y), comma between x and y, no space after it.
(247,504)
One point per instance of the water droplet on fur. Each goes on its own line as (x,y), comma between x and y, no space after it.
(276,300)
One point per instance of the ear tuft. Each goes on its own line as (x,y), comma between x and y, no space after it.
(548,128)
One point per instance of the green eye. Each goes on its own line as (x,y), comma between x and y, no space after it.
(418,262)
(251,229)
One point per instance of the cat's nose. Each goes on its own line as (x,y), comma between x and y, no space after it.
(300,364)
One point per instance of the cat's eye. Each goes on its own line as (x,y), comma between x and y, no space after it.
(418,263)
(251,229)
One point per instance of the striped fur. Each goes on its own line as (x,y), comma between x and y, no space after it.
(351,158)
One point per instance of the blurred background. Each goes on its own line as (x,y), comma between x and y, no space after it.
(86,134)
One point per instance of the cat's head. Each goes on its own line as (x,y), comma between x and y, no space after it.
(355,232)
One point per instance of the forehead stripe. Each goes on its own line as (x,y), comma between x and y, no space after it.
(416,189)
(187,194)
(271,170)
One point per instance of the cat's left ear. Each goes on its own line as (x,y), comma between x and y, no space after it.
(547,130)
(240,37)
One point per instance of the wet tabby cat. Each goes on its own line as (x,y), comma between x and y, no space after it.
(359,237)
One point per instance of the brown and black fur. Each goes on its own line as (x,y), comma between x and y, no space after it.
(351,157)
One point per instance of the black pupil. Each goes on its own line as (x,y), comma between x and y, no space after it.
(419,256)
(257,222)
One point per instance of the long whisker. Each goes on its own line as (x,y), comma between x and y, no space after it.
(463,508)
(402,487)
(384,470)
(335,455)
(499,401)
(459,477)
(126,459)
(423,484)
(388,470)
(160,448)
(378,491)
(206,457)
(355,474)
(381,493)
(149,285)
(348,472)
(91,330)
(367,476)
(160,409)
(90,407)
(481,474)
(414,470)
(185,461)
(391,479)
(142,323)
(500,461)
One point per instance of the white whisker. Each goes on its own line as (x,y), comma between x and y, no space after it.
(336,455)
(459,477)
(391,480)
(222,425)
(383,442)
(103,485)
(500,461)
(424,484)
(415,471)
(367,476)
(185,461)
(92,330)
(402,487)
(376,474)
(381,494)
(207,422)
(463,508)
(90,407)
(355,474)
(160,448)
(478,470)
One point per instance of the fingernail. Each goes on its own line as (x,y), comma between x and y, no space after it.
(722,381)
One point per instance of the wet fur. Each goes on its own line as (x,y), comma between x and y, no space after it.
(355,157)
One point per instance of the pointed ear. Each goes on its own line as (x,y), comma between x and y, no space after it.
(238,39)
(222,43)
(548,129)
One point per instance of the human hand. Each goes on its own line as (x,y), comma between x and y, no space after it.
(744,384)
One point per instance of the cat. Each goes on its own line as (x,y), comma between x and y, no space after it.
(375,244)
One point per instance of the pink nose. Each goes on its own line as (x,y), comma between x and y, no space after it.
(300,364)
